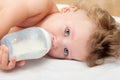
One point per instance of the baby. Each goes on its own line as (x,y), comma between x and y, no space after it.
(81,32)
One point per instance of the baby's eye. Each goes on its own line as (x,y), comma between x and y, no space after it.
(67,31)
(66,51)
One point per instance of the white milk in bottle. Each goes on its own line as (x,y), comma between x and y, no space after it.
(29,43)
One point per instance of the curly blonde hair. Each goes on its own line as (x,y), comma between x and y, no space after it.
(105,40)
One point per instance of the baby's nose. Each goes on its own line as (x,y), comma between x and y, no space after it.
(56,42)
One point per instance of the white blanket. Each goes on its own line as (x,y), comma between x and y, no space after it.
(48,68)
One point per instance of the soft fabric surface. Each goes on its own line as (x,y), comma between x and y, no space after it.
(55,69)
(48,68)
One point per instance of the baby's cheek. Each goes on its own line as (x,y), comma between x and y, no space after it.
(56,54)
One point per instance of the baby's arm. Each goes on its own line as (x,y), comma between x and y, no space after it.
(11,14)
(23,13)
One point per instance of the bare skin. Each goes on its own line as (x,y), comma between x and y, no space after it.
(70,29)
(21,13)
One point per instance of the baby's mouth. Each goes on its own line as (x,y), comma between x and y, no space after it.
(52,44)
(52,39)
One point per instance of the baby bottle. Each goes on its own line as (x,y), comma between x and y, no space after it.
(29,43)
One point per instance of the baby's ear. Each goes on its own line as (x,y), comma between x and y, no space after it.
(69,9)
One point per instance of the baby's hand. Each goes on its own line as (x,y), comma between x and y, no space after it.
(4,63)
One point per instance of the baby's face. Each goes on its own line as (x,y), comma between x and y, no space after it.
(70,33)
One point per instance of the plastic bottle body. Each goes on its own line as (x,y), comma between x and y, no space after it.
(30,43)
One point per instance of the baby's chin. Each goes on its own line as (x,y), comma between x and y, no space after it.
(50,54)
(55,55)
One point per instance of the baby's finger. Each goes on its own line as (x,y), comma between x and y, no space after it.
(4,55)
(20,63)
(12,63)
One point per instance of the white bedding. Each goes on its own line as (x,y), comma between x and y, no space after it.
(55,69)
